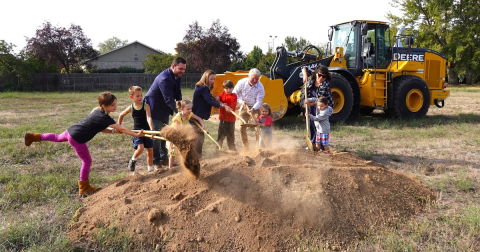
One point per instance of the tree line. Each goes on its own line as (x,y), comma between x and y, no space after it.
(447,26)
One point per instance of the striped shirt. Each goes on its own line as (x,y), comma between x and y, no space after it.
(253,95)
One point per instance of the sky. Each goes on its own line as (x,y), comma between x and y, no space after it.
(163,24)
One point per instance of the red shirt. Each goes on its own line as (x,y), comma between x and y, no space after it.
(265,120)
(231,101)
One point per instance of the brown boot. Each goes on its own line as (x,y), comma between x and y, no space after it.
(86,188)
(31,137)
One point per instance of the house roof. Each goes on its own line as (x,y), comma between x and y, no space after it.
(160,52)
(128,45)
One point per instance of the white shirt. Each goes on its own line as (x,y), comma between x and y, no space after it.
(253,95)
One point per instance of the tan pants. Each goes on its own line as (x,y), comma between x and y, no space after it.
(243,130)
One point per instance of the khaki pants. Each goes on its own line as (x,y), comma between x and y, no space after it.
(243,130)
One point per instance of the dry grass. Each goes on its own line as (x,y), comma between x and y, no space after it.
(38,184)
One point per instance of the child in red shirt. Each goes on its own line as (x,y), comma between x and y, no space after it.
(226,128)
(265,121)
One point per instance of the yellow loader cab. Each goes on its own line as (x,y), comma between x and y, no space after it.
(370,70)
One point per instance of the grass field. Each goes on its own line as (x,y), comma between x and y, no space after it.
(38,185)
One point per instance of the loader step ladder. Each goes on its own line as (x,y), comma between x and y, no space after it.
(381,81)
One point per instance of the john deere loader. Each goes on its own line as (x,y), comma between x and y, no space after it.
(370,70)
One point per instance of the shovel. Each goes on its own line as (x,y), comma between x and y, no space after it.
(148,132)
(229,152)
(245,124)
(307,120)
(151,134)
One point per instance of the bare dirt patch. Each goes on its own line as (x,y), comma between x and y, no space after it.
(256,201)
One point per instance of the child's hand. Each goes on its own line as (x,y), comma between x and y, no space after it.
(140,133)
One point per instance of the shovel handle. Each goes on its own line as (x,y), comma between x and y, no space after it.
(206,133)
(257,128)
(149,132)
(156,137)
(239,117)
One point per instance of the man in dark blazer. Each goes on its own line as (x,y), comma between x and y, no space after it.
(162,96)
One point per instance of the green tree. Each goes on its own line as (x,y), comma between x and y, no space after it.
(157,63)
(252,59)
(294,44)
(448,26)
(265,62)
(16,71)
(111,44)
(68,48)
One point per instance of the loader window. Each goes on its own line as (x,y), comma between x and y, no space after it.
(383,46)
(344,36)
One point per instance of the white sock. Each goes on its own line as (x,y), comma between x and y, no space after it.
(150,168)
(134,159)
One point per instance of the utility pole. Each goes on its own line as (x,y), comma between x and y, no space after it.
(268,46)
(273,42)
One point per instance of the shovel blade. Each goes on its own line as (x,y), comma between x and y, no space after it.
(228,152)
(309,144)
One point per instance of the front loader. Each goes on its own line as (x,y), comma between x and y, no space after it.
(370,70)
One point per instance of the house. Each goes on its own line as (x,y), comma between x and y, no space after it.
(131,55)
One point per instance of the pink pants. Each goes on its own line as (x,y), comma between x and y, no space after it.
(80,148)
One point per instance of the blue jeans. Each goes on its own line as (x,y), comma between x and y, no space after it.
(160,151)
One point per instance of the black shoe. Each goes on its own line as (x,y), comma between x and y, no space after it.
(131,164)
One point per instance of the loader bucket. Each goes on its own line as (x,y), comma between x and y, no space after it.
(274,94)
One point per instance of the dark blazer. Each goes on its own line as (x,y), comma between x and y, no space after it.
(163,93)
(203,102)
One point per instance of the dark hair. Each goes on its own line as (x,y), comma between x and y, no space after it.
(267,107)
(322,70)
(323,100)
(227,84)
(178,60)
(106,98)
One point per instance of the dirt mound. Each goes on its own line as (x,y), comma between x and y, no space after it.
(253,202)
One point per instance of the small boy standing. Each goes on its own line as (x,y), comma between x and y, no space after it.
(142,119)
(322,124)
(226,128)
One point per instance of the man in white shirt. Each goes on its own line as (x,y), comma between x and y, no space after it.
(250,93)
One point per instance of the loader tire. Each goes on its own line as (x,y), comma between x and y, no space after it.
(342,96)
(411,97)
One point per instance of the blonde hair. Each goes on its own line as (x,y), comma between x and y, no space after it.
(181,104)
(133,89)
(267,107)
(204,80)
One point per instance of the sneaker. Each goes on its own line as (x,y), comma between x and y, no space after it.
(157,167)
(131,164)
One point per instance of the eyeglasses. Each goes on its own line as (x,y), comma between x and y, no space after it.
(322,75)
